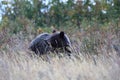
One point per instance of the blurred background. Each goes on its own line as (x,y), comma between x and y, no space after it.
(57,13)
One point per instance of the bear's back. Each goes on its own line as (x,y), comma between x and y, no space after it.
(39,44)
(43,36)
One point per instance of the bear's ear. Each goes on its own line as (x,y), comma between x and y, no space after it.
(54,31)
(62,34)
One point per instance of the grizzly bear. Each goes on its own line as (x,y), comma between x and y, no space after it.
(46,42)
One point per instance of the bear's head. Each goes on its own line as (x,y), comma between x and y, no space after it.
(59,40)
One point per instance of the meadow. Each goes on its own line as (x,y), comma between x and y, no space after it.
(93,56)
(93,27)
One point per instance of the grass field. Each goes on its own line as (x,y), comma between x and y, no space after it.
(24,67)
(92,58)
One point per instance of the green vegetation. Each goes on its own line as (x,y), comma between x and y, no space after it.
(57,13)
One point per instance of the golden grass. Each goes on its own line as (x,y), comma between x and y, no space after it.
(23,67)
(17,64)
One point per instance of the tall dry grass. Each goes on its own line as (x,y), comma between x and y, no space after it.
(92,58)
(23,67)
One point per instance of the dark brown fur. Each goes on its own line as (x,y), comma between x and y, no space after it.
(49,42)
